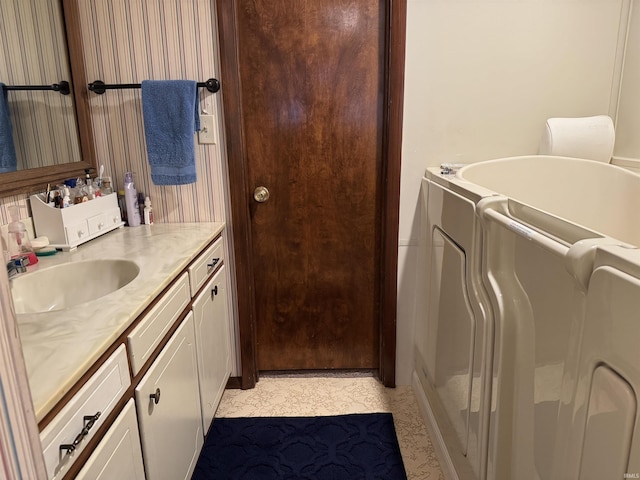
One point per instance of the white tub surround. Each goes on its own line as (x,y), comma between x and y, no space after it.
(59,347)
(512,247)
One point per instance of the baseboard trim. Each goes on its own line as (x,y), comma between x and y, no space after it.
(234,383)
(446,464)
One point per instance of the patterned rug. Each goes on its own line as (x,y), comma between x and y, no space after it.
(343,447)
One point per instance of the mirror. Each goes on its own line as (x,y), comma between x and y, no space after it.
(52,134)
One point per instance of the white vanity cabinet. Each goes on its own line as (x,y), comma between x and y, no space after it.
(168,404)
(212,344)
(118,455)
(158,387)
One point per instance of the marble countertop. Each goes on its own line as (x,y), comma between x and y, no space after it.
(59,347)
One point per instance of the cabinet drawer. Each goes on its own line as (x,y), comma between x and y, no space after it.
(99,395)
(205,264)
(97,224)
(118,456)
(113,217)
(77,232)
(147,335)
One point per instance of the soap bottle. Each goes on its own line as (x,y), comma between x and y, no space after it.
(148,212)
(19,243)
(131,200)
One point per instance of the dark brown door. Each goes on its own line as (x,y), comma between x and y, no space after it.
(312,84)
(313,99)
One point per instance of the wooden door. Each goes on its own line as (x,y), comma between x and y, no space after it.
(312,93)
(312,89)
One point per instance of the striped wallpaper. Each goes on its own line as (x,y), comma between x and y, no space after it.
(33,52)
(127,41)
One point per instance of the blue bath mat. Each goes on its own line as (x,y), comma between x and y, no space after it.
(343,447)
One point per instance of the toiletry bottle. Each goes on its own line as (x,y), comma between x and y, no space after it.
(131,200)
(66,199)
(106,186)
(19,243)
(97,191)
(123,206)
(148,212)
(78,195)
(88,190)
(141,197)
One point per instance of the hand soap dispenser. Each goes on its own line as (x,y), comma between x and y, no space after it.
(19,242)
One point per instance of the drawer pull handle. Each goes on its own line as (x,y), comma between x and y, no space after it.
(155,396)
(214,262)
(89,421)
(214,291)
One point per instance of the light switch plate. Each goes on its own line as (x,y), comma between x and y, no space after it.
(207,133)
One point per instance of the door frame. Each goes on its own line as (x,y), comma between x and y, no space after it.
(240,190)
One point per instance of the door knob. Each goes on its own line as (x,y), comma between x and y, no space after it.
(261,194)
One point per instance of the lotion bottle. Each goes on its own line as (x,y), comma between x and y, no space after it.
(131,200)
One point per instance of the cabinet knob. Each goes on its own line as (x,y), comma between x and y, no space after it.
(214,291)
(155,396)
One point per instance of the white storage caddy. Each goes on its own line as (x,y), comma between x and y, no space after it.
(69,227)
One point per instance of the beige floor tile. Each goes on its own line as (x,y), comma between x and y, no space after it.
(302,395)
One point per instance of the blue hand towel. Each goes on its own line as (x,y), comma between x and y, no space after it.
(8,162)
(170,113)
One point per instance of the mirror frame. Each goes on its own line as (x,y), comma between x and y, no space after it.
(36,179)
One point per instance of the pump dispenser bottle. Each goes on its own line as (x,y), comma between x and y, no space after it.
(131,200)
(19,242)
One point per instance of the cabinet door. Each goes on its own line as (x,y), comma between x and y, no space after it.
(168,404)
(212,341)
(118,454)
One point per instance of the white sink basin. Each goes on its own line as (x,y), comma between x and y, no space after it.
(63,286)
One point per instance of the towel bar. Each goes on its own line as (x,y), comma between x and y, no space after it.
(99,87)
(62,87)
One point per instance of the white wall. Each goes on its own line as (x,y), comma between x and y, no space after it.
(628,121)
(482,76)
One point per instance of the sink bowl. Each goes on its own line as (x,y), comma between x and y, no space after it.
(64,286)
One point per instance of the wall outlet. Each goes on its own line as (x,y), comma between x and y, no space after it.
(207,133)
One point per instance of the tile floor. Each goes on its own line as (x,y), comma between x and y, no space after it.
(336,394)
